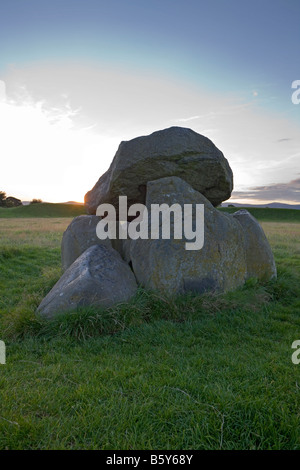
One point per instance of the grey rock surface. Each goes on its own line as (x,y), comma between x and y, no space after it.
(80,235)
(259,257)
(98,277)
(176,151)
(166,266)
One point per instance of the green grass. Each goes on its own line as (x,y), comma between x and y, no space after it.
(268,214)
(44,209)
(194,372)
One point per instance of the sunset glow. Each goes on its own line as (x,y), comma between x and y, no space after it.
(68,99)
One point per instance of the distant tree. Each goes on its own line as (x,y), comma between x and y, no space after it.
(36,201)
(2,198)
(12,202)
(231,205)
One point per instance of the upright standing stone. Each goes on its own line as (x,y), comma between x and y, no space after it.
(259,257)
(166,265)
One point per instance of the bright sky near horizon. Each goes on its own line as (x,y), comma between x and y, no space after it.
(79,76)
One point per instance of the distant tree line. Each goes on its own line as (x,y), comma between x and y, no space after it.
(11,201)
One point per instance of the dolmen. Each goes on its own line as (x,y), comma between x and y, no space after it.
(152,222)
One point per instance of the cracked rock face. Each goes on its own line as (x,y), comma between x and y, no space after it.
(176,151)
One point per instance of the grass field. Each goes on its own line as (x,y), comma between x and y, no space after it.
(210,372)
(47,209)
(269,215)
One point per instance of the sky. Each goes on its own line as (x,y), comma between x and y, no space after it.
(77,77)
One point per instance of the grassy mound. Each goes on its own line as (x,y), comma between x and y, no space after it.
(44,209)
(47,209)
(268,214)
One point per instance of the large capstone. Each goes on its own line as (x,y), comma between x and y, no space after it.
(176,151)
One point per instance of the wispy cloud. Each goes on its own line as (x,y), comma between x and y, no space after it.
(192,118)
(289,192)
(48,150)
(79,113)
(220,111)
